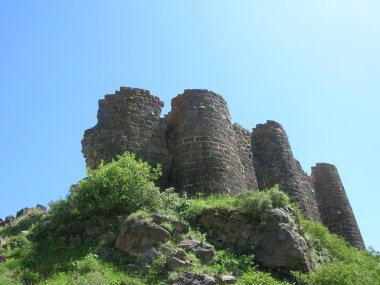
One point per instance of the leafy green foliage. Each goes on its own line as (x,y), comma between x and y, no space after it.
(49,249)
(118,188)
(252,277)
(91,270)
(257,205)
(121,187)
(349,265)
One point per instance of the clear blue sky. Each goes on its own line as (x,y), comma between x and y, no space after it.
(314,66)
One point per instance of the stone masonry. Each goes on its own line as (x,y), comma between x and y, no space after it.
(275,164)
(335,209)
(200,151)
(201,140)
(128,120)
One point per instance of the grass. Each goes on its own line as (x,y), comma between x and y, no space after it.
(52,249)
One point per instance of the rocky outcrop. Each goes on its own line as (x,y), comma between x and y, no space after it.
(10,220)
(141,237)
(203,251)
(335,208)
(22,212)
(194,278)
(279,243)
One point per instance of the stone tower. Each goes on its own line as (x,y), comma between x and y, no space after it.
(202,152)
(128,120)
(244,144)
(202,143)
(334,206)
(275,164)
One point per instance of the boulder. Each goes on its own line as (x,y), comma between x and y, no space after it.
(139,239)
(178,259)
(173,263)
(10,220)
(180,227)
(227,279)
(279,243)
(205,252)
(193,278)
(22,212)
(41,207)
(159,218)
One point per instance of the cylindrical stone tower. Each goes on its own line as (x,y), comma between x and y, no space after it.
(128,120)
(334,206)
(275,164)
(203,146)
(244,144)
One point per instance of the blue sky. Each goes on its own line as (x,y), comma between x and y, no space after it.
(313,66)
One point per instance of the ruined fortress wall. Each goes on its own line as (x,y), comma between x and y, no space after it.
(202,143)
(275,164)
(202,152)
(128,120)
(334,206)
(243,139)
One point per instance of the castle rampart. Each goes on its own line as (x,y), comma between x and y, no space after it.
(334,206)
(202,144)
(275,164)
(244,144)
(202,152)
(128,120)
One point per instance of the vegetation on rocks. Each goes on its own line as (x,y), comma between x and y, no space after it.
(67,244)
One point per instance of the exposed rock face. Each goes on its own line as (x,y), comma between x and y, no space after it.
(279,244)
(130,121)
(139,239)
(334,206)
(205,252)
(203,146)
(275,164)
(193,278)
(22,212)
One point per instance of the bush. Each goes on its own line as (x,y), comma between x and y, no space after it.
(339,273)
(252,277)
(121,187)
(349,265)
(279,198)
(255,205)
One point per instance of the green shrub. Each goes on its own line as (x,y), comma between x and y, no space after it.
(339,273)
(349,265)
(92,271)
(254,205)
(252,277)
(121,187)
(279,198)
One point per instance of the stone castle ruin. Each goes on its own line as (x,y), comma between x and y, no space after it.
(201,151)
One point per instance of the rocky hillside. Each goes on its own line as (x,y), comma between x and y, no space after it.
(117,227)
